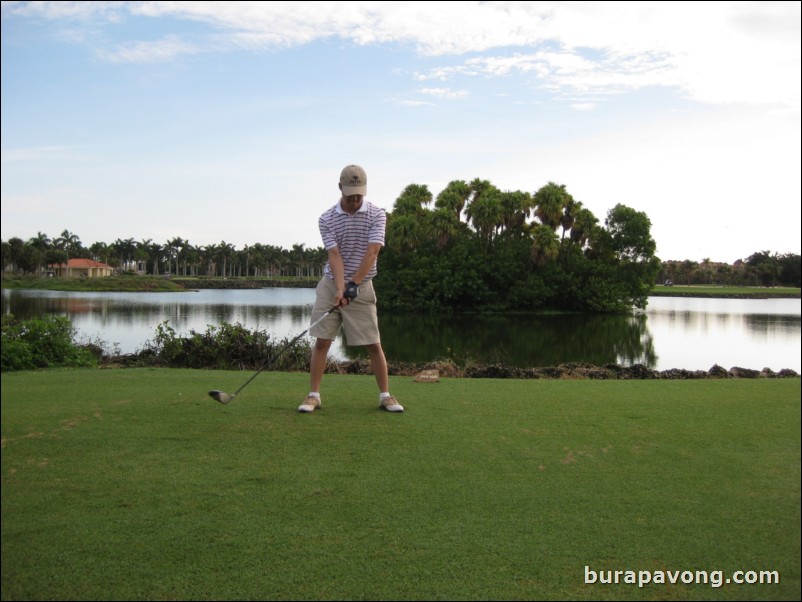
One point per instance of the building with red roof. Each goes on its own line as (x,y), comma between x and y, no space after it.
(82,268)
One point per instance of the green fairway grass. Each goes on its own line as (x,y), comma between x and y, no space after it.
(135,485)
(745,292)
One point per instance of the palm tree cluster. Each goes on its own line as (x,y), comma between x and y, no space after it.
(479,247)
(176,256)
(492,212)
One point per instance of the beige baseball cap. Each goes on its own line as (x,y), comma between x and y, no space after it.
(353,180)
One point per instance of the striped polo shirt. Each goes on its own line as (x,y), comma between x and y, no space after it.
(351,234)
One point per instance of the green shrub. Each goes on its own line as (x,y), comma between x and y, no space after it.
(227,347)
(41,343)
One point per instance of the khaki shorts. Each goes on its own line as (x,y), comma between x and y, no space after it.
(358,318)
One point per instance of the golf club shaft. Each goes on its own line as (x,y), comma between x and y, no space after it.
(282,350)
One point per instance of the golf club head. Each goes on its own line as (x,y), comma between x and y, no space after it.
(220,396)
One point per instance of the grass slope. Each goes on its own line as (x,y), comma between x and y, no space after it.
(134,485)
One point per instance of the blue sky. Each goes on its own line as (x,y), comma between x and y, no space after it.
(230,121)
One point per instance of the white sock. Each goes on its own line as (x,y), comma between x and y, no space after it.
(314,394)
(383,396)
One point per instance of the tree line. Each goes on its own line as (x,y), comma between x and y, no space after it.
(762,268)
(177,256)
(472,247)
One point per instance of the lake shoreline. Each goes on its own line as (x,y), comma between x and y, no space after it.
(184,283)
(432,371)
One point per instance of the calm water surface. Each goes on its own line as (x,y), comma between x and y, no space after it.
(673,332)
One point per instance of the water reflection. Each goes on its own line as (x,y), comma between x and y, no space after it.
(672,333)
(751,333)
(129,320)
(525,341)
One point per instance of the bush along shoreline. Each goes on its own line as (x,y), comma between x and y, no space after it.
(50,342)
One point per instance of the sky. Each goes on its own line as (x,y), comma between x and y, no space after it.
(230,121)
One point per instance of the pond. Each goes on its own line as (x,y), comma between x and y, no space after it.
(673,332)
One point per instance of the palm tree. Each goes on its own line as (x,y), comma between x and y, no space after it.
(30,261)
(689,267)
(244,257)
(568,218)
(172,249)
(444,226)
(208,254)
(142,255)
(454,197)
(15,249)
(706,270)
(412,199)
(70,243)
(100,252)
(486,215)
(145,254)
(479,187)
(550,200)
(191,255)
(297,259)
(182,256)
(403,232)
(224,252)
(274,259)
(545,244)
(125,250)
(258,259)
(41,242)
(515,207)
(319,259)
(582,228)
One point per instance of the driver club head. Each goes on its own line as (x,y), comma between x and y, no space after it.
(220,396)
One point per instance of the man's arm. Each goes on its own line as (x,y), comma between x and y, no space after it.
(338,271)
(368,261)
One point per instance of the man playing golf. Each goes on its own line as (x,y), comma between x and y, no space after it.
(353,235)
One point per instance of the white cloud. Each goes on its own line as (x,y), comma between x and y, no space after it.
(445,93)
(567,72)
(65,10)
(577,46)
(165,49)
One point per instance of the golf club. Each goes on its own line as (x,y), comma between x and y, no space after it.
(225,398)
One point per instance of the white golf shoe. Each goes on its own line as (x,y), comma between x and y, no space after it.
(391,404)
(309,405)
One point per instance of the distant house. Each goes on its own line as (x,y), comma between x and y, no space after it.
(82,268)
